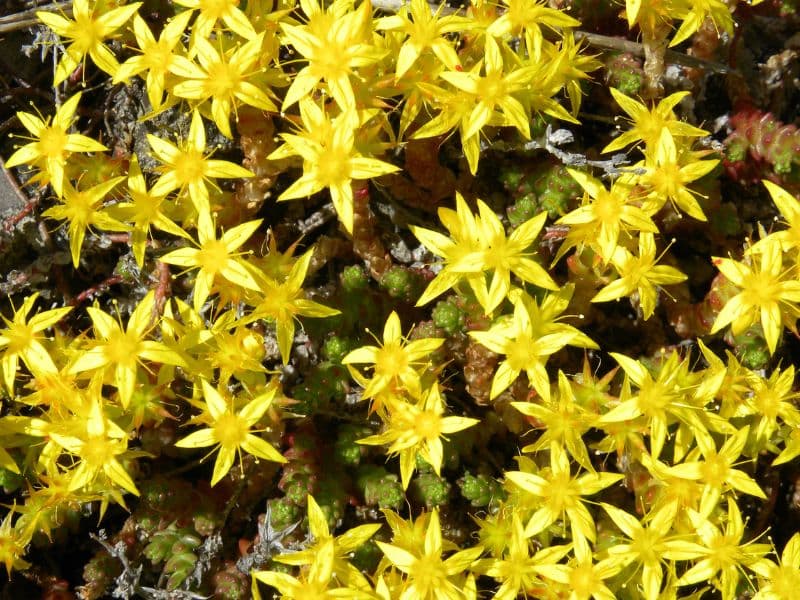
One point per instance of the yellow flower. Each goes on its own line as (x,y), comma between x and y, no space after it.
(781,581)
(506,255)
(479,244)
(346,574)
(606,215)
(772,399)
(648,546)
(766,292)
(425,31)
(668,173)
(330,159)
(700,10)
(428,575)
(212,11)
(222,78)
(525,348)
(231,432)
(648,125)
(417,428)
(493,93)
(460,251)
(12,544)
(660,399)
(97,443)
(87,33)
(584,578)
(283,301)
(528,17)
(559,495)
(313,583)
(334,42)
(789,208)
(639,274)
(396,363)
(724,558)
(215,257)
(156,57)
(145,210)
(123,349)
(563,421)
(53,146)
(516,569)
(22,339)
(83,208)
(715,471)
(187,167)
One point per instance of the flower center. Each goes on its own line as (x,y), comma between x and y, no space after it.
(213,256)
(230,431)
(52,142)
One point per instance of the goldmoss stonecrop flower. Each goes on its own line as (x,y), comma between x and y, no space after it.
(563,420)
(525,349)
(768,293)
(12,544)
(334,43)
(493,92)
(504,256)
(223,77)
(157,56)
(314,582)
(231,432)
(21,339)
(639,274)
(216,257)
(143,210)
(343,545)
(396,363)
(417,428)
(425,30)
(53,144)
(723,557)
(606,213)
(698,12)
(715,472)
(527,17)
(98,442)
(478,247)
(668,172)
(210,12)
(459,251)
(558,495)
(650,544)
(283,301)
(427,575)
(187,167)
(648,125)
(93,24)
(782,580)
(583,578)
(330,159)
(122,349)
(82,209)
(516,567)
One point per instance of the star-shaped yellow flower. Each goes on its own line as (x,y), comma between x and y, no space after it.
(52,145)
(396,362)
(231,432)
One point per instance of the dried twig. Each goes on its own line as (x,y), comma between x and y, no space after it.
(28,18)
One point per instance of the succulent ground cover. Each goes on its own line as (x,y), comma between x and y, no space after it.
(340,299)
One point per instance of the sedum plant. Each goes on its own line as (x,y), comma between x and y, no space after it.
(191,310)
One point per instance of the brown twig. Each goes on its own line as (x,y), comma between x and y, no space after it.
(28,18)
(103,286)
